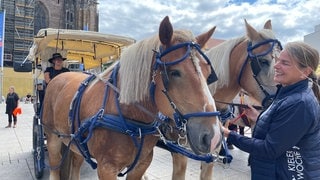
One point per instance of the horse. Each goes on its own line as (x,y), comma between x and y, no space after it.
(111,119)
(244,63)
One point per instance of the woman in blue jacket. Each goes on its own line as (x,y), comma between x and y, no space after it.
(285,143)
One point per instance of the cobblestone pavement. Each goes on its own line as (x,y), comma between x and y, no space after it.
(16,162)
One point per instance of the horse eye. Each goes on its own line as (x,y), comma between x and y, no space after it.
(264,62)
(175,73)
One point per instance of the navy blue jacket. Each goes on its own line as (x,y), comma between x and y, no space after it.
(285,143)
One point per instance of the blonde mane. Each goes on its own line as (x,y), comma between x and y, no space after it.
(136,67)
(135,70)
(219,57)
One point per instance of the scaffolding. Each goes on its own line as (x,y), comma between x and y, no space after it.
(19,28)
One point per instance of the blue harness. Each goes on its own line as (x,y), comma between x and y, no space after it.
(130,127)
(136,130)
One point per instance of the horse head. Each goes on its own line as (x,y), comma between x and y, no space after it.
(246,63)
(262,49)
(181,73)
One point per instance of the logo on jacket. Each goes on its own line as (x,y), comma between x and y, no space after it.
(295,163)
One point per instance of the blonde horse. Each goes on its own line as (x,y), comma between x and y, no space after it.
(241,63)
(111,120)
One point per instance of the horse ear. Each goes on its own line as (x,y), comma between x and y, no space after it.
(268,25)
(203,38)
(165,31)
(251,32)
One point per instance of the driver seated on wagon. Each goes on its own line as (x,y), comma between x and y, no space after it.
(57,68)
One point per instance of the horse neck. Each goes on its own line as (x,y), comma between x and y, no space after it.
(228,92)
(145,112)
(226,95)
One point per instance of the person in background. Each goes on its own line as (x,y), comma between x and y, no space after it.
(56,69)
(12,102)
(285,143)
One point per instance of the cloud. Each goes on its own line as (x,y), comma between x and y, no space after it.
(139,19)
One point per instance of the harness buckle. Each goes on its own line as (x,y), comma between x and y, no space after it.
(100,113)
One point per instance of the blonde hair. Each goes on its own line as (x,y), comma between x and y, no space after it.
(306,56)
(11,87)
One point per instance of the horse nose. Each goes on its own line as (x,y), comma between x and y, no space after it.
(206,142)
(211,141)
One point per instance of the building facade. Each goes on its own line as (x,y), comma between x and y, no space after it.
(24,18)
(313,39)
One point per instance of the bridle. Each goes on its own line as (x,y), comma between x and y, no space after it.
(179,118)
(256,66)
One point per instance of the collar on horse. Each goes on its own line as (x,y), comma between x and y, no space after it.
(256,67)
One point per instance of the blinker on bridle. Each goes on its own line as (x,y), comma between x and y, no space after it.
(256,66)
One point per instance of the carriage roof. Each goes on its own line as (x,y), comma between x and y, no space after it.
(88,47)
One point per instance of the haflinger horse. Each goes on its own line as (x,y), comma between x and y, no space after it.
(240,63)
(111,119)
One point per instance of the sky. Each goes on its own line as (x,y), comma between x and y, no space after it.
(139,19)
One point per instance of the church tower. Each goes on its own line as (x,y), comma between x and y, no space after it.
(66,14)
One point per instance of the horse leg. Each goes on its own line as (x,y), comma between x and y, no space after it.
(179,166)
(76,163)
(107,172)
(70,168)
(206,171)
(54,146)
(139,170)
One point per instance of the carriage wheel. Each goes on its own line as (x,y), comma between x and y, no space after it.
(34,132)
(38,153)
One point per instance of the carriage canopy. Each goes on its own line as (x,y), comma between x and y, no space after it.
(92,49)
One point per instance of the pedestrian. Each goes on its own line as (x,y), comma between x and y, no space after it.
(56,69)
(285,142)
(12,102)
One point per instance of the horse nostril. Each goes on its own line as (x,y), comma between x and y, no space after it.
(206,141)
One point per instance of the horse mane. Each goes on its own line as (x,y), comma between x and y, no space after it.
(267,34)
(219,57)
(136,66)
(135,70)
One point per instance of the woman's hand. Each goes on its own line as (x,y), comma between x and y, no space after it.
(224,130)
(252,113)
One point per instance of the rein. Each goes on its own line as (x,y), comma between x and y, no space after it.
(241,105)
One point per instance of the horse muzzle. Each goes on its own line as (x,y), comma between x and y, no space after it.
(203,138)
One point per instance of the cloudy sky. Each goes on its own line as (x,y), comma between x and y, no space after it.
(139,19)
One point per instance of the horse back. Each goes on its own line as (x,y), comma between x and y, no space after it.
(58,97)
